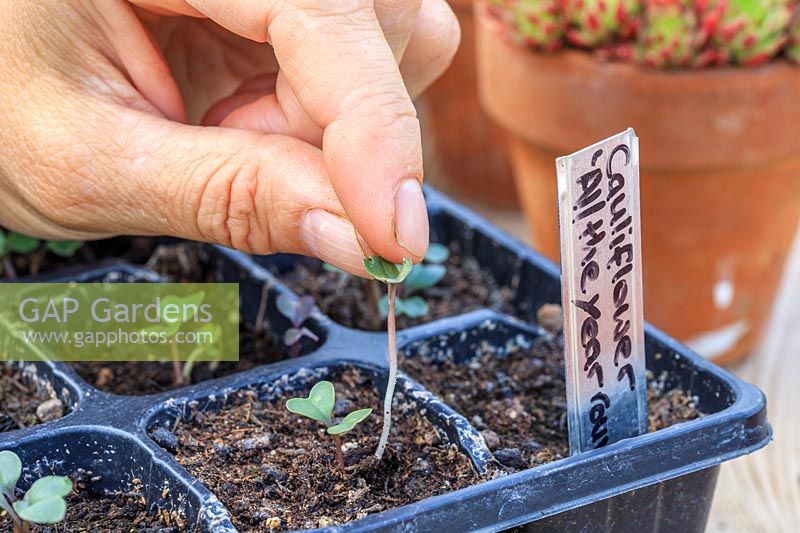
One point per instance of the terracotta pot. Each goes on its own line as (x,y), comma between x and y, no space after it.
(465,152)
(720,173)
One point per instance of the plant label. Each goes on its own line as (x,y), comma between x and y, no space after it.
(601,271)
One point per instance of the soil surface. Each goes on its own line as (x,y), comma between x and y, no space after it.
(275,470)
(123,513)
(352,301)
(41,261)
(139,378)
(518,402)
(20,397)
(185,263)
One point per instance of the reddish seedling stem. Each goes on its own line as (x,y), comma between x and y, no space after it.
(8,267)
(21,526)
(177,373)
(337,441)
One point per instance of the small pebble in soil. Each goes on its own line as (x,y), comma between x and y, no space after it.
(22,393)
(50,410)
(166,439)
(491,438)
(510,457)
(258,442)
(272,475)
(551,318)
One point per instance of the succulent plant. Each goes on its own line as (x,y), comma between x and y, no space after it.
(793,43)
(538,24)
(592,23)
(671,35)
(748,32)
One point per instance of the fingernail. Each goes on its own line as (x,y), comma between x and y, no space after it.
(411,218)
(333,240)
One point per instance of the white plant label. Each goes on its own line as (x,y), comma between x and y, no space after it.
(601,270)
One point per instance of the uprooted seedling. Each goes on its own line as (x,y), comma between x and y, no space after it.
(17,243)
(297,311)
(422,276)
(43,503)
(319,406)
(409,301)
(392,275)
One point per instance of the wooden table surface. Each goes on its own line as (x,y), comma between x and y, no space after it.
(759,492)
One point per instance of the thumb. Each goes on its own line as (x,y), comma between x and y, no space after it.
(341,69)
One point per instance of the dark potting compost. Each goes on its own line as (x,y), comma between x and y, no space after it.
(275,470)
(25,400)
(352,301)
(518,401)
(126,512)
(185,263)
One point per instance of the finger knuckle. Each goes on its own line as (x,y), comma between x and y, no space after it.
(387,108)
(340,7)
(228,210)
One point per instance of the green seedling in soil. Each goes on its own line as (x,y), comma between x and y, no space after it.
(319,406)
(207,330)
(43,503)
(422,276)
(297,311)
(392,275)
(17,243)
(182,373)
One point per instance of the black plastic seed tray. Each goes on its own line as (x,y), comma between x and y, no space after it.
(660,481)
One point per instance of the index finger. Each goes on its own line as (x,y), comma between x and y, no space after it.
(345,76)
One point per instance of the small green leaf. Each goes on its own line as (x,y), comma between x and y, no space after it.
(10,470)
(349,422)
(49,487)
(423,276)
(297,311)
(318,405)
(21,244)
(64,248)
(437,253)
(305,305)
(49,511)
(413,307)
(171,328)
(44,502)
(387,272)
(3,244)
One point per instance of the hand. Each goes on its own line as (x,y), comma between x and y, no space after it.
(309,141)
